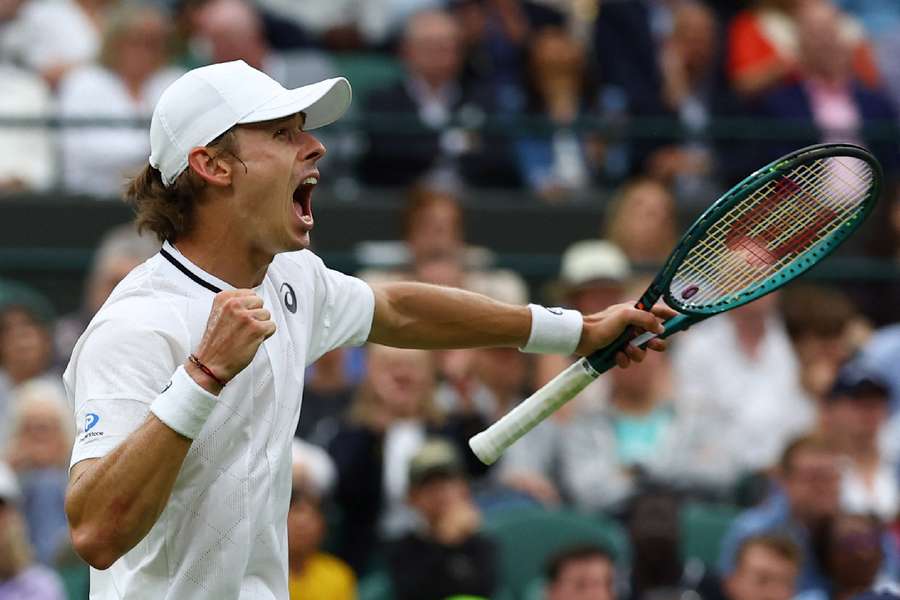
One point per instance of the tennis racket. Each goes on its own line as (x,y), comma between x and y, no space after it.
(767,230)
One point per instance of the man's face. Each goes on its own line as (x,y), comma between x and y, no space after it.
(590,578)
(762,575)
(812,483)
(432,49)
(141,48)
(434,498)
(25,345)
(824,51)
(305,523)
(402,379)
(272,199)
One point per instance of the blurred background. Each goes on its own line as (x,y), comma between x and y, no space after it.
(531,150)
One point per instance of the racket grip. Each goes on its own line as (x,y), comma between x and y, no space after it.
(490,443)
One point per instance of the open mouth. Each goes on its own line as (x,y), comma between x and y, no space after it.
(303,200)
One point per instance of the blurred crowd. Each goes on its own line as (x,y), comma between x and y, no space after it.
(558,97)
(758,459)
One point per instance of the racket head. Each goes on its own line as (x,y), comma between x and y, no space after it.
(769,229)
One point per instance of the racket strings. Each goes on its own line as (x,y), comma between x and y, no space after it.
(737,269)
(771,228)
(790,219)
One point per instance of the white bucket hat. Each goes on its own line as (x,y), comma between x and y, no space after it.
(206,102)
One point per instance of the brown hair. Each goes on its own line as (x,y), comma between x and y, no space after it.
(617,221)
(813,442)
(169,211)
(422,197)
(779,544)
(580,551)
(817,310)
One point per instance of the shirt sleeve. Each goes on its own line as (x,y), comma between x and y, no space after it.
(343,312)
(116,371)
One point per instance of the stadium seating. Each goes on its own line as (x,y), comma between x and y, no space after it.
(527,537)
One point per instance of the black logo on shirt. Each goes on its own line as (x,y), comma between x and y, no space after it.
(290,299)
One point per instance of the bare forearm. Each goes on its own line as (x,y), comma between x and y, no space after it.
(415,315)
(115,500)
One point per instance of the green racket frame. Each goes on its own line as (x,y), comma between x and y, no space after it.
(604,359)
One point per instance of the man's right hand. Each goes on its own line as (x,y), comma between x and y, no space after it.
(236,327)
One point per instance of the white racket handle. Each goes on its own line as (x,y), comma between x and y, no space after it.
(490,443)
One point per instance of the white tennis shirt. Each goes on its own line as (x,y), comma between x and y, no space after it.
(223,533)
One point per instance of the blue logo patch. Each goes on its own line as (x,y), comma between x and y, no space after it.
(90,420)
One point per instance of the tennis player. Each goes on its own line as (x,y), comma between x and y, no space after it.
(186,385)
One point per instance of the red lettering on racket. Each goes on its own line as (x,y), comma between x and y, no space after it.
(756,248)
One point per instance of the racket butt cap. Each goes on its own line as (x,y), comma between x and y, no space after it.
(486,452)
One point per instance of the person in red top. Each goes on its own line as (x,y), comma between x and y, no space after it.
(763,47)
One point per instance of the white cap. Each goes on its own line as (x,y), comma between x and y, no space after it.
(206,102)
(593,260)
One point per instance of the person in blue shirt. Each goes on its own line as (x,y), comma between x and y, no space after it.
(809,495)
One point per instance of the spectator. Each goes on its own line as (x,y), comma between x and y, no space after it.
(26,348)
(605,454)
(828,94)
(809,478)
(851,549)
(626,45)
(766,568)
(32,166)
(642,222)
(51,37)
(825,330)
(763,47)
(691,95)
(130,77)
(494,34)
(555,159)
(418,122)
(314,575)
(592,276)
(657,568)
(641,434)
(582,572)
(748,391)
(234,30)
(120,250)
(445,555)
(434,249)
(856,412)
(391,416)
(20,578)
(38,451)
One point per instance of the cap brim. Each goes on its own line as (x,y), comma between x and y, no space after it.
(322,103)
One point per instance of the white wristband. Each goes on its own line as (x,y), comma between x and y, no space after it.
(553,330)
(184,405)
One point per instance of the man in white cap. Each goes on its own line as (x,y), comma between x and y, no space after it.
(187,383)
